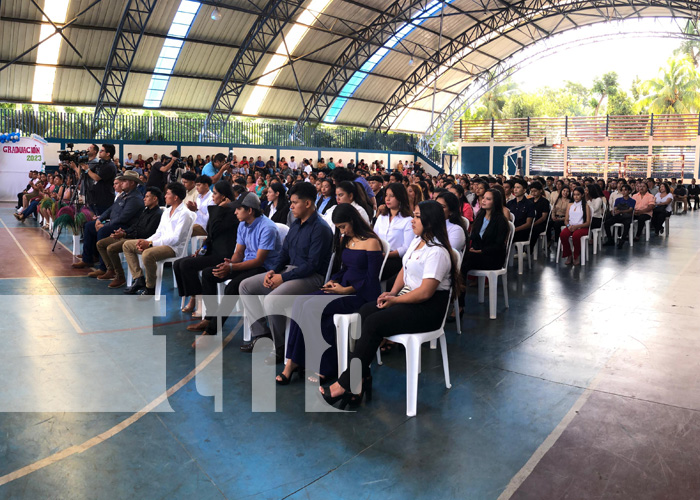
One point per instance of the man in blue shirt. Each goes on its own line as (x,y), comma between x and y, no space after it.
(258,245)
(622,213)
(300,270)
(216,168)
(523,209)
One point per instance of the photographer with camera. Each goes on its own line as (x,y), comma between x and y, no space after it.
(160,170)
(101,172)
(216,168)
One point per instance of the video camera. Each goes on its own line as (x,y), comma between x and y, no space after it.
(179,162)
(68,155)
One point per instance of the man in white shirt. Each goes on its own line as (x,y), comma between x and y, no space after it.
(292,164)
(167,242)
(200,206)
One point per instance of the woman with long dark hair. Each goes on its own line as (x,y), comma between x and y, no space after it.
(663,208)
(393,225)
(358,253)
(578,220)
(353,194)
(277,208)
(326,199)
(596,202)
(417,302)
(456,227)
(488,236)
(559,208)
(465,208)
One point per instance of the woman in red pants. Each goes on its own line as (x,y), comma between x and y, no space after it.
(578,220)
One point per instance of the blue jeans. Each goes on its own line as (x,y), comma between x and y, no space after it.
(90,238)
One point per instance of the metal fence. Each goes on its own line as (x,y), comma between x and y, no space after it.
(580,128)
(79,127)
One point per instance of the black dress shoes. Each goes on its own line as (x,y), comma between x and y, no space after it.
(137,285)
(249,346)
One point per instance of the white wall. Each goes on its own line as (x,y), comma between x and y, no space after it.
(300,154)
(346,156)
(147,150)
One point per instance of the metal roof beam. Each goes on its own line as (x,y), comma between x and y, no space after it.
(523,14)
(121,57)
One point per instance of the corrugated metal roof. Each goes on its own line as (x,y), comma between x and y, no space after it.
(19,29)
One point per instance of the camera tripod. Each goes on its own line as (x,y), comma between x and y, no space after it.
(75,185)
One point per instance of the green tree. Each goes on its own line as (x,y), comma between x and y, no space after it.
(603,87)
(691,47)
(675,90)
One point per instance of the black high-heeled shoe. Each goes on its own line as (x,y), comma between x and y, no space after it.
(344,398)
(285,380)
(366,391)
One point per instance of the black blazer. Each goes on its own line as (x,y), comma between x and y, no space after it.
(281,213)
(494,239)
(222,231)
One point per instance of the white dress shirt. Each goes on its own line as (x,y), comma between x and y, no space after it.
(456,235)
(430,262)
(328,216)
(203,203)
(174,229)
(398,232)
(293,165)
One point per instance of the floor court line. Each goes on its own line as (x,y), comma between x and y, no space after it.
(104,436)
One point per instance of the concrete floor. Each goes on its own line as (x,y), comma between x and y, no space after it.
(585,388)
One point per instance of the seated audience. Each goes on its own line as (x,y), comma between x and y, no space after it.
(393,225)
(300,269)
(222,225)
(120,215)
(277,208)
(523,209)
(622,213)
(663,207)
(488,236)
(168,241)
(456,228)
(359,251)
(542,208)
(348,192)
(578,221)
(643,207)
(680,194)
(110,247)
(417,302)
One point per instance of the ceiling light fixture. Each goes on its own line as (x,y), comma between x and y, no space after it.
(216,14)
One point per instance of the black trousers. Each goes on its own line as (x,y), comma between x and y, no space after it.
(642,218)
(596,222)
(209,285)
(521,235)
(691,197)
(536,234)
(555,229)
(187,273)
(618,219)
(391,271)
(658,218)
(401,318)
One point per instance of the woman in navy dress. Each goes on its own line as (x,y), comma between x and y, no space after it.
(359,251)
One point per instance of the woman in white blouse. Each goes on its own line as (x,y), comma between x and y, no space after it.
(347,192)
(578,220)
(663,209)
(417,302)
(596,202)
(456,227)
(393,225)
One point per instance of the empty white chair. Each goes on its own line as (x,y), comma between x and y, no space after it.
(492,276)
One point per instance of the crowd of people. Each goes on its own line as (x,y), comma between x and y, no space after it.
(276,228)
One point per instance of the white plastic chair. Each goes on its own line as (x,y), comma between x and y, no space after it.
(618,228)
(492,276)
(542,238)
(196,242)
(161,263)
(597,235)
(647,228)
(584,249)
(677,206)
(345,322)
(521,248)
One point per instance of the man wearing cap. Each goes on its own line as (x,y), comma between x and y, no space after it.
(122,214)
(258,245)
(300,269)
(111,246)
